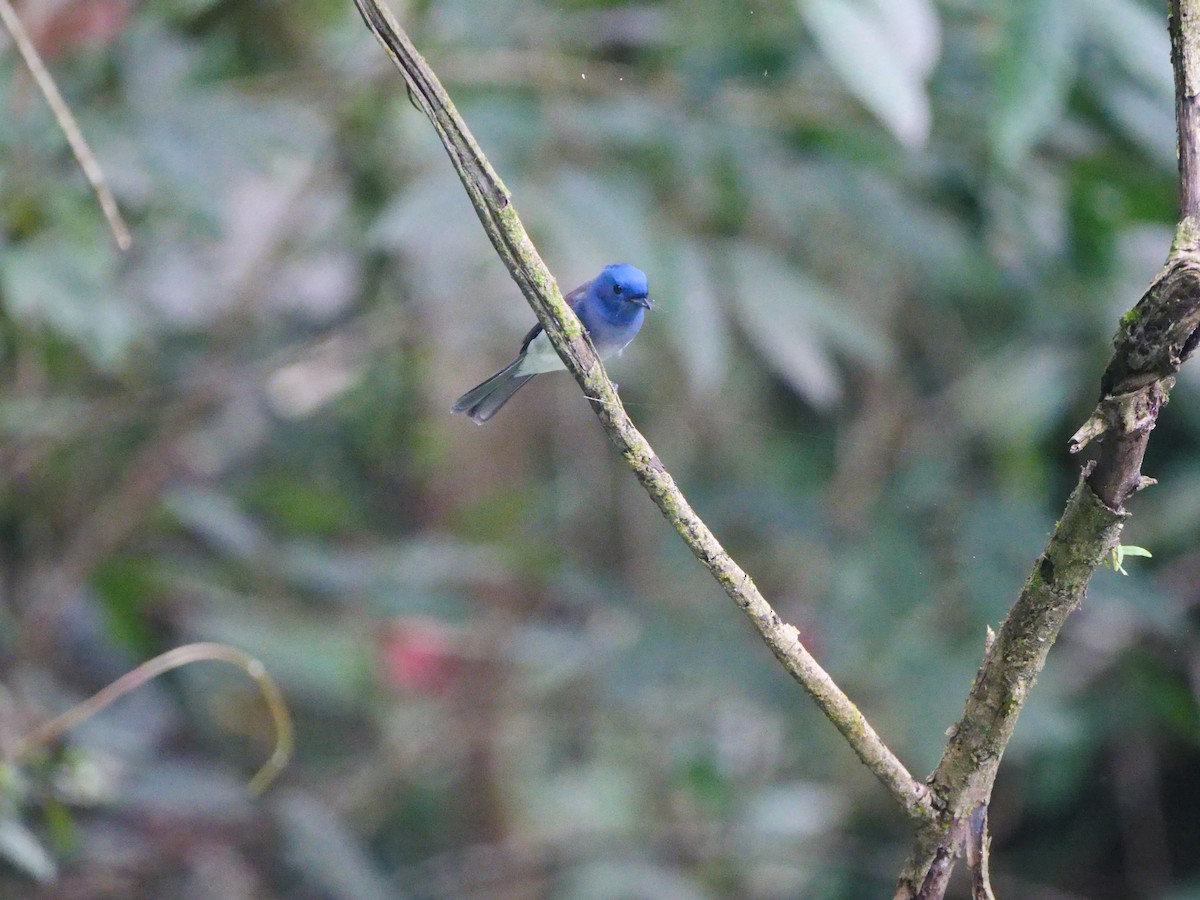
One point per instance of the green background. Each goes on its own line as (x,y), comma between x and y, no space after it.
(889,242)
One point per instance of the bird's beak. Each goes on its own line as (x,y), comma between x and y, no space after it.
(644,302)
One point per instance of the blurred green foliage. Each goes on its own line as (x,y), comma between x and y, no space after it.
(890,241)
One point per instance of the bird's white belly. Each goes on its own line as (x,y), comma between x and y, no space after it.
(540,357)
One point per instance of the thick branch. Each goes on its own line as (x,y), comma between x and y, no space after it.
(508,236)
(1160,332)
(962,783)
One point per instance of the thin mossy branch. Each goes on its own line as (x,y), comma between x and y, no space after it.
(1152,341)
(494,207)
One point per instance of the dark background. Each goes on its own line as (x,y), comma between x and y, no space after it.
(889,241)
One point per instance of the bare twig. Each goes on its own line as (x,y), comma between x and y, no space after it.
(979,845)
(503,226)
(151,669)
(1185,60)
(66,121)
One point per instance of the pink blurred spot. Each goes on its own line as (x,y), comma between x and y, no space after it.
(418,655)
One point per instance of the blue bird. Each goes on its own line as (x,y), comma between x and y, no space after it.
(611,307)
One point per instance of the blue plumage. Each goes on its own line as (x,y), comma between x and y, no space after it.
(611,307)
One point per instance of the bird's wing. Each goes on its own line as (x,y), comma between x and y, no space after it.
(572,298)
(578,294)
(533,332)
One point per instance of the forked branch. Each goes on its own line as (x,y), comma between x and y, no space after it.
(1152,341)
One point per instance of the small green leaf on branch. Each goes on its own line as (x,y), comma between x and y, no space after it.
(1116,556)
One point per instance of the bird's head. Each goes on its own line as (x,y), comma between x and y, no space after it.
(621,284)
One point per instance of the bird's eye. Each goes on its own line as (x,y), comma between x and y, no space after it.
(617,289)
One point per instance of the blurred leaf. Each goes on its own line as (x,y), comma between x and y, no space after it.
(318,661)
(1188,889)
(329,856)
(796,324)
(301,507)
(695,321)
(72,291)
(429,223)
(1057,770)
(1138,38)
(1034,73)
(886,75)
(586,241)
(24,850)
(592,799)
(181,139)
(627,123)
(394,579)
(1171,515)
(191,790)
(44,417)
(218,519)
(630,880)
(192,7)
(1146,120)
(1015,395)
(551,658)
(124,585)
(800,810)
(786,346)
(322,662)
(914,29)
(482,25)
(994,546)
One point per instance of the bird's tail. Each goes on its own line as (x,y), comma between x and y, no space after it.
(484,400)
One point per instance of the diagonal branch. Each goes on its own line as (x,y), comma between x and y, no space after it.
(962,783)
(492,203)
(1152,341)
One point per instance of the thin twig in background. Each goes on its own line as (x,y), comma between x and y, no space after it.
(151,669)
(503,226)
(66,121)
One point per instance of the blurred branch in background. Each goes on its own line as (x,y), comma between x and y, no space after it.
(34,741)
(66,121)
